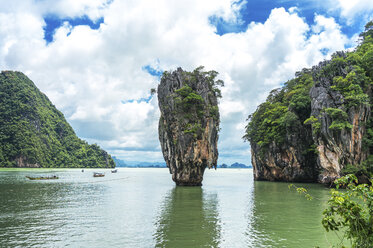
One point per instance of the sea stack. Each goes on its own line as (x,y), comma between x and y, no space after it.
(189,123)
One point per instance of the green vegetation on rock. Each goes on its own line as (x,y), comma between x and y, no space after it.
(190,106)
(339,117)
(33,133)
(284,109)
(333,100)
(189,123)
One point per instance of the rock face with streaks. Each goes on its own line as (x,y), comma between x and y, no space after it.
(281,143)
(189,123)
(287,162)
(337,146)
(319,126)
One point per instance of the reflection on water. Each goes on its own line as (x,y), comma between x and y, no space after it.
(283,218)
(189,218)
(143,208)
(43,213)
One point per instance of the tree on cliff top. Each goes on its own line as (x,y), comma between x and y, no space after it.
(284,108)
(368,30)
(191,106)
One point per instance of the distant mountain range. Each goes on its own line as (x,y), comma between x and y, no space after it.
(139,164)
(121,163)
(235,166)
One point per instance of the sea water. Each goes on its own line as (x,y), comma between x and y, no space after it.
(142,207)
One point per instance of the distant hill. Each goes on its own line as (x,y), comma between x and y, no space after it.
(121,163)
(238,165)
(138,164)
(223,166)
(234,166)
(151,164)
(33,133)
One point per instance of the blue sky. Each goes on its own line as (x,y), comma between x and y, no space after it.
(250,11)
(53,22)
(256,11)
(97,60)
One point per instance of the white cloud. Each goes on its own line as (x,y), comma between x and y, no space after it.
(88,73)
(349,9)
(71,8)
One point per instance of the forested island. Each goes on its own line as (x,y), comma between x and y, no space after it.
(189,123)
(319,125)
(33,133)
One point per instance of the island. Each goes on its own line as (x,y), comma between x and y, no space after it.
(189,123)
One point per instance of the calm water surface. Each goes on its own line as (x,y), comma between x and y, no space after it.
(143,208)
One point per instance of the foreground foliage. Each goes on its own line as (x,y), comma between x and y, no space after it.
(34,133)
(351,211)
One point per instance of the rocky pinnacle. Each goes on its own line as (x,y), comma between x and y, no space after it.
(189,123)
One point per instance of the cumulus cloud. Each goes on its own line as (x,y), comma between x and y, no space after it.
(349,9)
(91,74)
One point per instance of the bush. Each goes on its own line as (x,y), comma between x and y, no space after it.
(351,211)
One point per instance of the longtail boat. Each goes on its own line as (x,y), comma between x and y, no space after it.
(42,178)
(96,174)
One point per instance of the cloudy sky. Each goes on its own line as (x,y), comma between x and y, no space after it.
(96,60)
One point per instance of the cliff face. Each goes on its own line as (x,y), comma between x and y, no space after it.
(189,124)
(337,147)
(287,162)
(319,125)
(33,133)
(281,144)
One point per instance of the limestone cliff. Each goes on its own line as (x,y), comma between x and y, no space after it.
(319,125)
(189,123)
(287,162)
(283,151)
(337,146)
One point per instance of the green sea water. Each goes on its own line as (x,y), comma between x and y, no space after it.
(143,208)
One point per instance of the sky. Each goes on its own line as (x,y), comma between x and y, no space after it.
(97,60)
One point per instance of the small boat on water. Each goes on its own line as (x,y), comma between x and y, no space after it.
(97,174)
(114,171)
(42,178)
